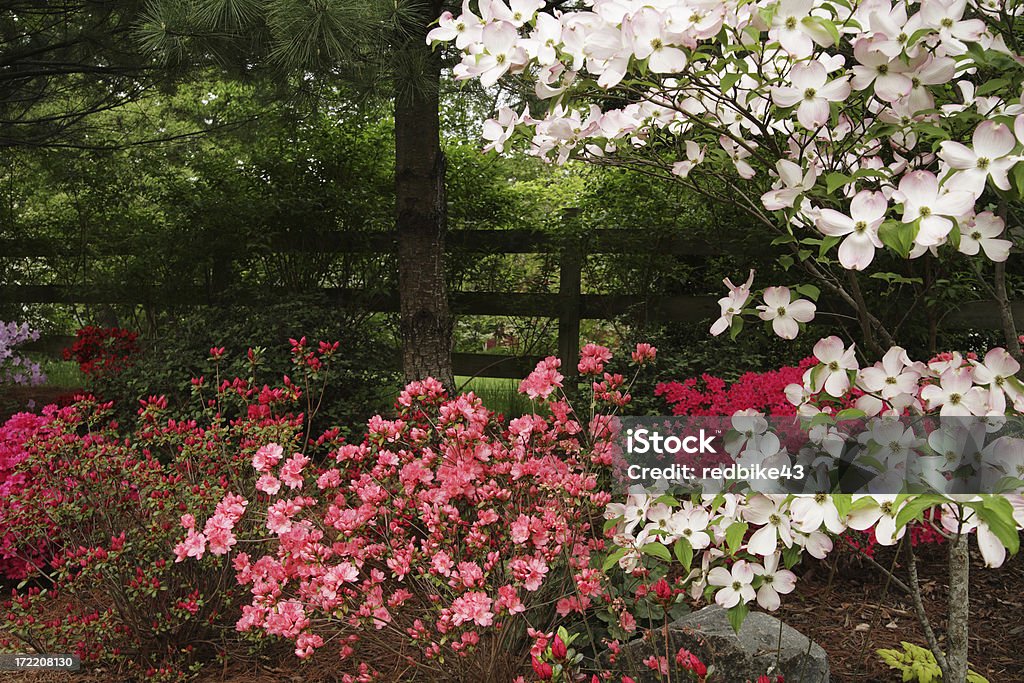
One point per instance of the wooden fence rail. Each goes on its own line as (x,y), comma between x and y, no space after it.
(569,305)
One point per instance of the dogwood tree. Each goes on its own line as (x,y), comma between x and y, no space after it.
(857,134)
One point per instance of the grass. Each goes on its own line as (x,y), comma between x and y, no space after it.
(62,374)
(499,395)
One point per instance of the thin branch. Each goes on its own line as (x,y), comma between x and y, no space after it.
(922,616)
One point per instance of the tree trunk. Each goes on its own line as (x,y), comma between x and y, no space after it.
(958,629)
(1003,299)
(421,219)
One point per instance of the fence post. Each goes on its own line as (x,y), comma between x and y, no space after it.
(569,297)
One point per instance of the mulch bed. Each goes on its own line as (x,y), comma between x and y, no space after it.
(844,605)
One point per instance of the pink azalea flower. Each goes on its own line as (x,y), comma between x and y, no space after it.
(644,353)
(508,597)
(269,484)
(291,471)
(194,545)
(592,359)
(267,457)
(474,606)
(544,379)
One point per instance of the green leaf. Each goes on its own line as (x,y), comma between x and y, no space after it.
(728,81)
(843,502)
(816,372)
(736,616)
(976,51)
(786,261)
(833,181)
(953,238)
(915,508)
(820,418)
(734,535)
(824,25)
(1018,179)
(736,327)
(1008,485)
(862,503)
(810,291)
(791,555)
(657,550)
(827,243)
(684,553)
(997,513)
(899,236)
(871,173)
(991,86)
(896,278)
(613,559)
(850,414)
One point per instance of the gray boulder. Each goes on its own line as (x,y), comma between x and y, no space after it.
(759,648)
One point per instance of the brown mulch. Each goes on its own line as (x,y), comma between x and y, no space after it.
(844,605)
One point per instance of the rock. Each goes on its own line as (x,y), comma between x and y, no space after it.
(757,649)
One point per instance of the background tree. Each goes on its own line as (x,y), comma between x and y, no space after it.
(61,62)
(379,49)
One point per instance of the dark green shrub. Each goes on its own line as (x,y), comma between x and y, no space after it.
(362,380)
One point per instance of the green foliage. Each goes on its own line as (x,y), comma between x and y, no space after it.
(203,213)
(363,378)
(916,663)
(64,62)
(500,395)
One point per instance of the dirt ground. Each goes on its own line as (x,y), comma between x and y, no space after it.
(854,614)
(843,603)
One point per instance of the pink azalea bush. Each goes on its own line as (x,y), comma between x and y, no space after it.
(18,557)
(710,395)
(447,535)
(92,512)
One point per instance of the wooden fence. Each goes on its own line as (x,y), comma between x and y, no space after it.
(569,305)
